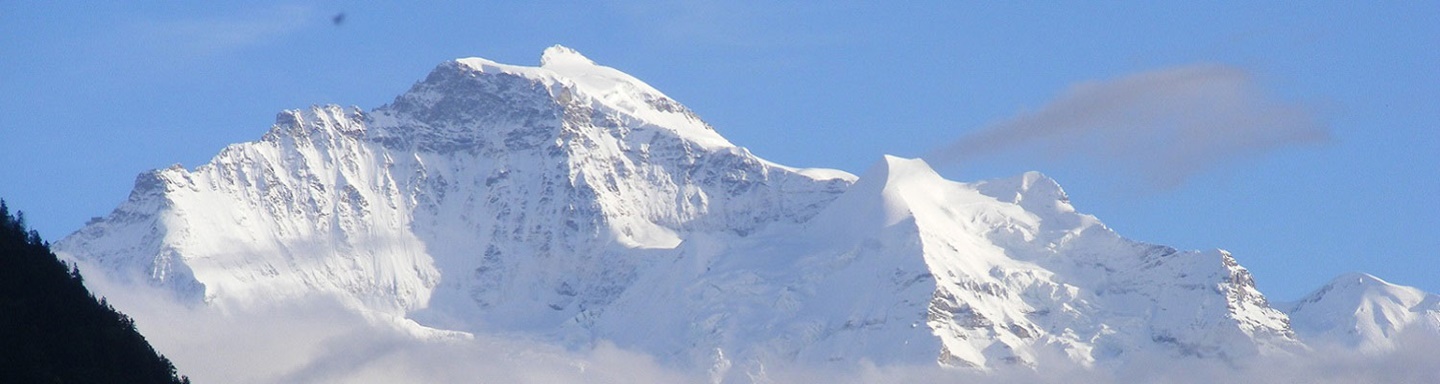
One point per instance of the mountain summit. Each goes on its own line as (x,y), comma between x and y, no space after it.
(1360,311)
(575,203)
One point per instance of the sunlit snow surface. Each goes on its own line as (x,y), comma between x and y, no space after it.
(1363,312)
(575,206)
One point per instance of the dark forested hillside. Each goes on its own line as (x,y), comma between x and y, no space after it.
(52,330)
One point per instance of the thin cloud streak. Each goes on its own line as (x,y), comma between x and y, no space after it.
(204,36)
(1159,127)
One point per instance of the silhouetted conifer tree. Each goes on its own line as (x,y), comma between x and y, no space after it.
(52,330)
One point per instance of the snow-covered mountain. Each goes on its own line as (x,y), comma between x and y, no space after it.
(575,203)
(1363,312)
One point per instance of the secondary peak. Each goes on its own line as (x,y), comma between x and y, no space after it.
(562,55)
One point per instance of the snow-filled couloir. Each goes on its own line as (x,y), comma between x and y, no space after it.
(574,202)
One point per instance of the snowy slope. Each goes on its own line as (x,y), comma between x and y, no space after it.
(1362,312)
(909,267)
(311,206)
(492,194)
(575,203)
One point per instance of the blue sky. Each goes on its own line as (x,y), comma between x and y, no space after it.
(96,93)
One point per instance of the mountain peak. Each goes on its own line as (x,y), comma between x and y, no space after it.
(1349,288)
(1355,288)
(1363,311)
(1035,179)
(1357,279)
(879,198)
(459,96)
(1032,190)
(558,55)
(894,169)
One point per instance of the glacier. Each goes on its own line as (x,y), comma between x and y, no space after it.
(574,203)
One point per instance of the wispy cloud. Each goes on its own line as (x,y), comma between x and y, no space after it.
(1159,127)
(202,36)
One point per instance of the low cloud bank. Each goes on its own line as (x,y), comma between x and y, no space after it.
(323,340)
